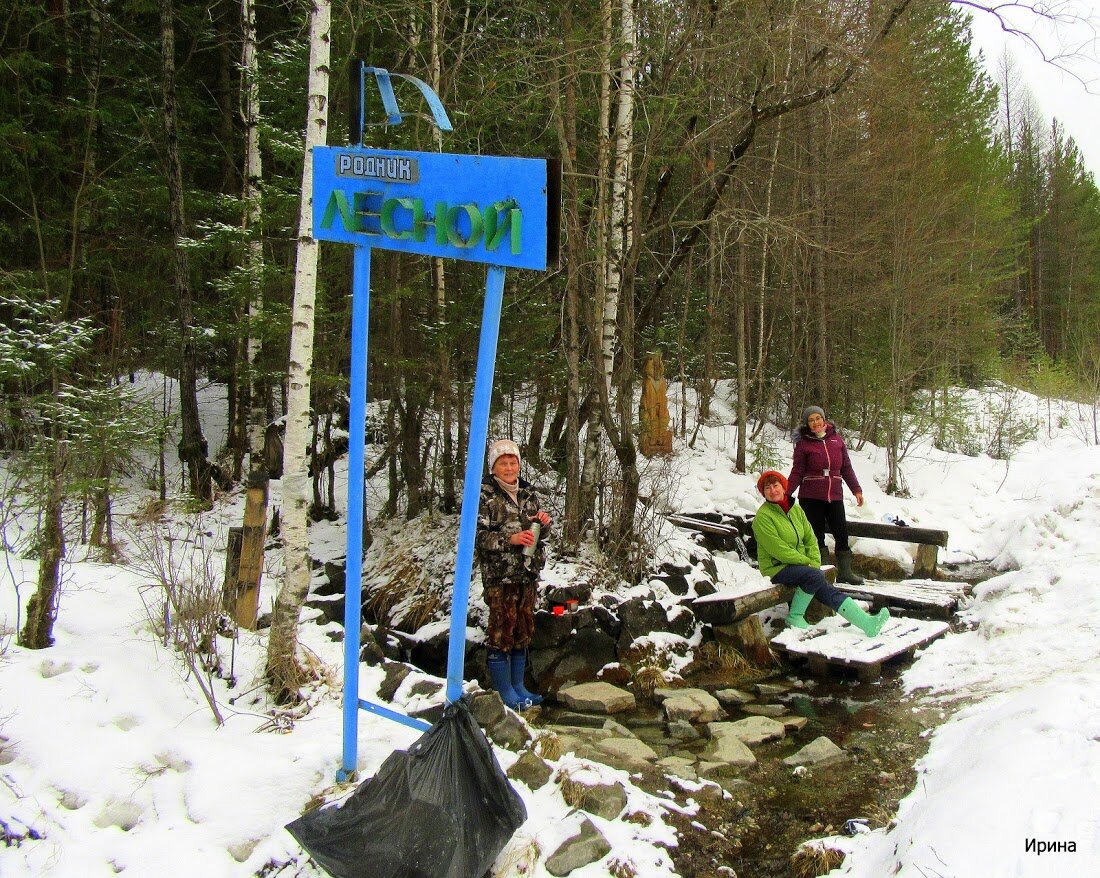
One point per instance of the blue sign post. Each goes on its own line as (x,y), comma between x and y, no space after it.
(499,211)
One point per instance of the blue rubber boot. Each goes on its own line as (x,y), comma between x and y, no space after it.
(519,668)
(796,617)
(500,673)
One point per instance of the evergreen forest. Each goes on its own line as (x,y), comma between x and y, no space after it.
(811,202)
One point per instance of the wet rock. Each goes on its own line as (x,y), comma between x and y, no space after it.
(597,697)
(531,770)
(772,710)
(733,697)
(751,731)
(820,751)
(693,705)
(770,690)
(726,754)
(682,730)
(794,723)
(587,846)
(618,729)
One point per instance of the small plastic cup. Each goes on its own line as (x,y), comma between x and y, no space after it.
(558,610)
(572,605)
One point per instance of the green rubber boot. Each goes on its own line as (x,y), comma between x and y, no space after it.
(796,618)
(869,625)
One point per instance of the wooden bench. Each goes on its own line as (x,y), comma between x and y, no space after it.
(928,542)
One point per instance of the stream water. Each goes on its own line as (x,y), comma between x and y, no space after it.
(771,809)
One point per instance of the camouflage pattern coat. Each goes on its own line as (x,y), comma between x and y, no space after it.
(498,518)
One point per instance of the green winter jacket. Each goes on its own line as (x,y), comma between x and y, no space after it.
(783,539)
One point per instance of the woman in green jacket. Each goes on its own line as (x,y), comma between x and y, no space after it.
(787,551)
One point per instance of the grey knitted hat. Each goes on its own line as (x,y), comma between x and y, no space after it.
(811,410)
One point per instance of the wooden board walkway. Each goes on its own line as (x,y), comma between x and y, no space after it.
(834,643)
(938,599)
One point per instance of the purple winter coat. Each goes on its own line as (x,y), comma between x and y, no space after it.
(819,466)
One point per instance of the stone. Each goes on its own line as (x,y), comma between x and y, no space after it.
(820,751)
(531,770)
(733,697)
(487,709)
(768,690)
(578,661)
(682,730)
(629,754)
(604,800)
(597,697)
(639,617)
(618,729)
(681,621)
(396,672)
(577,851)
(693,705)
(729,753)
(751,731)
(794,723)
(677,766)
(578,590)
(511,733)
(772,710)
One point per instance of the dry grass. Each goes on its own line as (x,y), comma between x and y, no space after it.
(812,860)
(621,868)
(649,678)
(572,791)
(639,818)
(548,746)
(713,656)
(518,858)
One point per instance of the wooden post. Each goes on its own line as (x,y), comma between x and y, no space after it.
(924,566)
(251,568)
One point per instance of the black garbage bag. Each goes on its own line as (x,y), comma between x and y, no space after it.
(442,809)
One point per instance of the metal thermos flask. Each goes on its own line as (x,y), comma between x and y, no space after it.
(529,551)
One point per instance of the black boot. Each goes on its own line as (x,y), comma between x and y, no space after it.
(844,571)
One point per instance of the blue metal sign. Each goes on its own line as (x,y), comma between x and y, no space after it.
(478,208)
(501,211)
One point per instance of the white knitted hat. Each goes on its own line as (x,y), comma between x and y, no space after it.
(502,446)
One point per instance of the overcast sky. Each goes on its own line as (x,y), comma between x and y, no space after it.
(1075,103)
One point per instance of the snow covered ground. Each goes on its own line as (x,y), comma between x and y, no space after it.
(112,755)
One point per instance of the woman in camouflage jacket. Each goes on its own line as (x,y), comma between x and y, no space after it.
(507,509)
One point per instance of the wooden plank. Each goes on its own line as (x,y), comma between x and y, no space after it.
(933,597)
(836,643)
(703,526)
(904,534)
(727,607)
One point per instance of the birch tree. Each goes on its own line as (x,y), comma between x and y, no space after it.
(284,671)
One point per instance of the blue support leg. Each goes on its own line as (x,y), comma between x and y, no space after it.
(357,428)
(471,490)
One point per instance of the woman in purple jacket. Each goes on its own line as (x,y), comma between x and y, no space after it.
(821,469)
